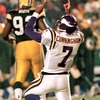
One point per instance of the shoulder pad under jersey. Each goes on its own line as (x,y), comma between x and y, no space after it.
(9,14)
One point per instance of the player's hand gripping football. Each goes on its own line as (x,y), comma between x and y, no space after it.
(67,6)
(39,8)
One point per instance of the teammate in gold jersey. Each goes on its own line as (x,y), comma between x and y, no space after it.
(28,52)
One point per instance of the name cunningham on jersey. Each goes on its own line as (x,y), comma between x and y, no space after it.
(68,40)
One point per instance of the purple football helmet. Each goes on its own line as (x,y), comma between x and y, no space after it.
(67,23)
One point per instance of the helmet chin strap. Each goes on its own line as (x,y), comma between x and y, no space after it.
(61,31)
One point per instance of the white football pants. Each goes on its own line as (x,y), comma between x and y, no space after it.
(59,84)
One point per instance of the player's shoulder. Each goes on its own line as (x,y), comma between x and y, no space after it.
(51,31)
(25,11)
(47,31)
(12,11)
(32,10)
(50,34)
(80,32)
(20,11)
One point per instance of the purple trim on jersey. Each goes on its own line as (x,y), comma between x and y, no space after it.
(32,97)
(30,30)
(34,84)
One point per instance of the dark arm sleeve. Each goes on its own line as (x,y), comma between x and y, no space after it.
(30,30)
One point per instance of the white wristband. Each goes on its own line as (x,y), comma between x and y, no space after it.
(35,14)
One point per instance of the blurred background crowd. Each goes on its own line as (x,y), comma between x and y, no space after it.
(85,71)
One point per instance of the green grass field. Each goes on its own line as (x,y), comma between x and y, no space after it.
(79,98)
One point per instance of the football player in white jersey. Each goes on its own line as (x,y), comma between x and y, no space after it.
(62,45)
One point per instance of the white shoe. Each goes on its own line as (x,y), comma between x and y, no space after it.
(18,94)
(95,89)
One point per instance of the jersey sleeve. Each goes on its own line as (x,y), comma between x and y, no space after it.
(32,33)
(30,30)
(82,36)
(46,37)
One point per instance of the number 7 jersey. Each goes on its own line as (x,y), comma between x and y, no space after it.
(61,49)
